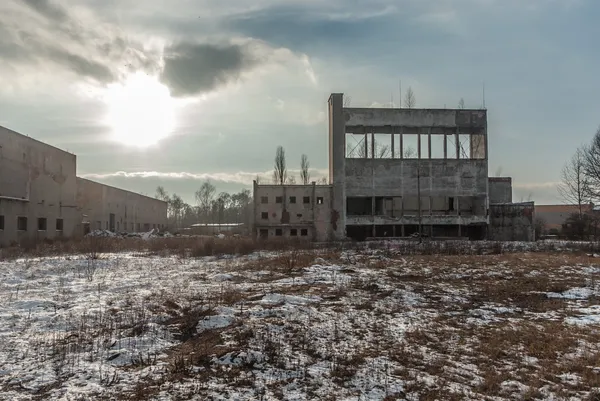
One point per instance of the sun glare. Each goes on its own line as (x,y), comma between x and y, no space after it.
(141,111)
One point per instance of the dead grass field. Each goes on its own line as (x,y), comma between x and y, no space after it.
(334,324)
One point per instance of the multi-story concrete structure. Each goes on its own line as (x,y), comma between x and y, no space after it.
(397,172)
(37,190)
(294,211)
(42,198)
(108,208)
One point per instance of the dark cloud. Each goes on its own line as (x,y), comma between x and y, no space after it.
(196,68)
(85,47)
(48,9)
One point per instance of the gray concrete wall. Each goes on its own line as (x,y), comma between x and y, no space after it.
(337,164)
(313,216)
(37,181)
(133,212)
(512,222)
(500,189)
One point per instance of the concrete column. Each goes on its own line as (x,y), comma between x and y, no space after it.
(393,135)
(337,163)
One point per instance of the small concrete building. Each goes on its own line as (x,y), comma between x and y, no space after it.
(42,198)
(37,190)
(294,212)
(108,208)
(396,172)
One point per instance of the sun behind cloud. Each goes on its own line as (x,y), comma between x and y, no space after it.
(141,111)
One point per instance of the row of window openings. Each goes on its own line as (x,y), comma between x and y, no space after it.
(146,227)
(279,199)
(279,232)
(42,223)
(415,146)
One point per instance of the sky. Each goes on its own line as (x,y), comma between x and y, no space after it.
(173,92)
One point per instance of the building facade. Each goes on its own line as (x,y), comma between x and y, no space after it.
(108,208)
(37,190)
(294,212)
(41,197)
(399,172)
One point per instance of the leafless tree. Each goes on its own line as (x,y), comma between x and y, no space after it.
(322,181)
(304,166)
(461,103)
(257,179)
(574,187)
(410,100)
(280,171)
(161,194)
(347,101)
(291,180)
(381,151)
(204,198)
(409,153)
(591,166)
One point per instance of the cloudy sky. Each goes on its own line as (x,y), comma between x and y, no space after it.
(173,92)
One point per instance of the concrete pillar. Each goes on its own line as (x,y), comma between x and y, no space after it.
(337,163)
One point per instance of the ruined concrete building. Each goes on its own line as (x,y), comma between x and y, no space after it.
(394,173)
(42,198)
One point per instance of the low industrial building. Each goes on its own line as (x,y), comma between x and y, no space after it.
(41,197)
(397,172)
(108,208)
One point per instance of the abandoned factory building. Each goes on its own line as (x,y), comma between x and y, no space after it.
(41,196)
(395,172)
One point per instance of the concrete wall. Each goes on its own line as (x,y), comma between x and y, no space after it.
(132,212)
(500,189)
(512,222)
(452,177)
(37,181)
(294,214)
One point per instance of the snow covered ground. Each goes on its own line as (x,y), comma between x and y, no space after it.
(300,325)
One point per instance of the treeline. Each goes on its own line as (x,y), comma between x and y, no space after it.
(580,185)
(210,207)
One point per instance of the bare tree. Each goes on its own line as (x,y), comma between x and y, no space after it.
(161,194)
(410,100)
(323,181)
(409,153)
(591,166)
(461,103)
(204,197)
(257,179)
(347,101)
(381,150)
(280,171)
(291,180)
(304,166)
(574,187)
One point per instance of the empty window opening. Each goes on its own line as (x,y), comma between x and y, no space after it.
(464,146)
(384,206)
(357,146)
(383,146)
(1,222)
(264,215)
(279,199)
(319,200)
(42,224)
(424,146)
(278,232)
(451,146)
(293,232)
(263,233)
(306,199)
(264,199)
(437,147)
(356,206)
(22,223)
(304,232)
(410,145)
(59,224)
(299,215)
(478,146)
(451,203)
(292,199)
